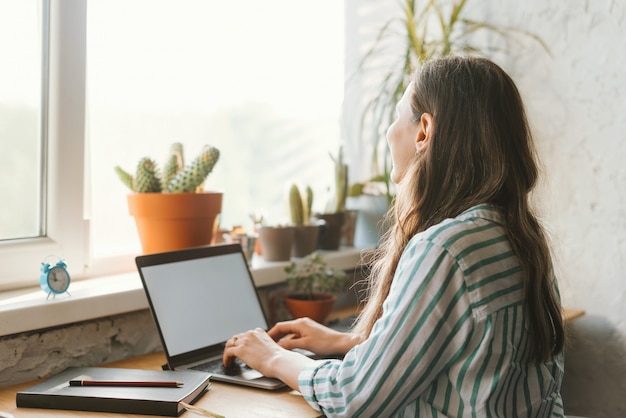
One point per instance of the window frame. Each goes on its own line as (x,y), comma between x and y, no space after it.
(64,228)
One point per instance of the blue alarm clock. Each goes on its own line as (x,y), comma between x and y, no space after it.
(54,279)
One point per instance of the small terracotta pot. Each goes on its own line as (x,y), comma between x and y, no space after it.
(317,309)
(276,242)
(172,221)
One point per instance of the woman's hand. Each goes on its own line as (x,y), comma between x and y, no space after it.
(269,352)
(254,348)
(260,352)
(304,333)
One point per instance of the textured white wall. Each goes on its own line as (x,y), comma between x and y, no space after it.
(576,105)
(576,102)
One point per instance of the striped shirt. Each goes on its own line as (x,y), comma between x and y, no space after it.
(451,340)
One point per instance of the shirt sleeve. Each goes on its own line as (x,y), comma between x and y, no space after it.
(425,326)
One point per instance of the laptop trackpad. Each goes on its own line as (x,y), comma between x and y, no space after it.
(250,374)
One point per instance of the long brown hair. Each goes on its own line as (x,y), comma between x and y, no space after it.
(480,151)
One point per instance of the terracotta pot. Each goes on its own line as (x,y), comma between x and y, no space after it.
(305,240)
(317,309)
(276,242)
(172,221)
(330,232)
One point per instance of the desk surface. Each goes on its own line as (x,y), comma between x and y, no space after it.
(570,314)
(224,399)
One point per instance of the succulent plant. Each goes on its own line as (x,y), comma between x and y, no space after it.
(176,177)
(314,276)
(300,205)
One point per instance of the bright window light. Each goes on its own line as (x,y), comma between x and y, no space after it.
(260,80)
(20,118)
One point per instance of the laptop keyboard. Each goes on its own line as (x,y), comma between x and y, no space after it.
(217,367)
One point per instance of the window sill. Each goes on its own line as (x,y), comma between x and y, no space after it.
(28,309)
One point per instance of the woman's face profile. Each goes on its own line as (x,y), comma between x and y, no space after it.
(402,137)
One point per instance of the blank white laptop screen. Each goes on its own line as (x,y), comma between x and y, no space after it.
(203,302)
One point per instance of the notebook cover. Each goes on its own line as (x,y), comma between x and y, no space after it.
(56,393)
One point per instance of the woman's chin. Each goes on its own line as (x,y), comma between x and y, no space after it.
(395,176)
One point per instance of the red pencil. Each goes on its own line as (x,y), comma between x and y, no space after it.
(161,384)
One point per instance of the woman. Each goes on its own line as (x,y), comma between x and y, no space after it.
(463,317)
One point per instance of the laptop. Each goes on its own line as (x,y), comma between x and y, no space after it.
(199,298)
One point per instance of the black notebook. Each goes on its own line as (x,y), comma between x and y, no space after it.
(56,392)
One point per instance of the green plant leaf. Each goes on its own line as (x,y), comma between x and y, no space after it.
(423,30)
(314,276)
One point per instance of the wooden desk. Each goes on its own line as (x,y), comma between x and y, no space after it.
(570,314)
(224,399)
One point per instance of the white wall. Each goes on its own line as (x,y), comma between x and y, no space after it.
(576,105)
(576,102)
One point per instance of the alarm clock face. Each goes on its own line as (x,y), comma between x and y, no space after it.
(58,279)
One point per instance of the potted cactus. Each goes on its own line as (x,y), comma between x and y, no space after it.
(334,218)
(281,242)
(313,287)
(306,229)
(170,208)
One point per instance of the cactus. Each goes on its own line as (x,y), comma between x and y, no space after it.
(125,176)
(193,176)
(300,205)
(341,182)
(309,203)
(147,177)
(175,162)
(296,205)
(175,178)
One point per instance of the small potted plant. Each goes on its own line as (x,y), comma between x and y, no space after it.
(334,218)
(307,231)
(313,287)
(170,208)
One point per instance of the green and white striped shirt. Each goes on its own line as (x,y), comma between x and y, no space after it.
(451,341)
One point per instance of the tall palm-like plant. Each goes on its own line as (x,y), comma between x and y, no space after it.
(424,30)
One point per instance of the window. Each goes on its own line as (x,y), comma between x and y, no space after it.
(59,227)
(21,112)
(261,81)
